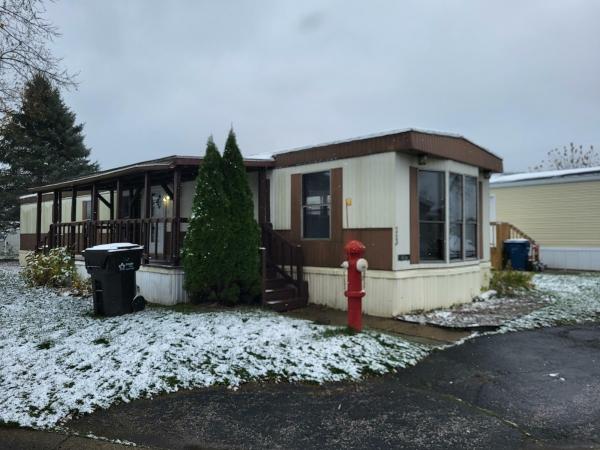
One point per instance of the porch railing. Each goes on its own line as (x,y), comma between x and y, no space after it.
(160,237)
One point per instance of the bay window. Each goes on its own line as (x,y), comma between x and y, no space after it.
(456,216)
(432,215)
(471,237)
(460,222)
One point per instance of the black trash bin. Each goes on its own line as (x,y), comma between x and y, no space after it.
(516,251)
(112,268)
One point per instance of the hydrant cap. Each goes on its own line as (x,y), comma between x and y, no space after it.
(355,248)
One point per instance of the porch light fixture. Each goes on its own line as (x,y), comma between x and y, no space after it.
(166,199)
(422,160)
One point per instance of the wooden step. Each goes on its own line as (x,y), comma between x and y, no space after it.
(286,305)
(275,283)
(283,293)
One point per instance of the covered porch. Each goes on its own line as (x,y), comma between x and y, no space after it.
(147,203)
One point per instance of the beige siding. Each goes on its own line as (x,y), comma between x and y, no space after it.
(559,215)
(367,180)
(28,212)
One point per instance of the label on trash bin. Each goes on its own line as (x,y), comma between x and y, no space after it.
(124,266)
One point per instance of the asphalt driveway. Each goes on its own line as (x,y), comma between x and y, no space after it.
(531,389)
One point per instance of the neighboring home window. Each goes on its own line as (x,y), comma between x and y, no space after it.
(456,216)
(124,207)
(86,210)
(432,215)
(470,217)
(316,205)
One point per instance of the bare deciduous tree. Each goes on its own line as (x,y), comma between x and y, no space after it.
(24,39)
(571,157)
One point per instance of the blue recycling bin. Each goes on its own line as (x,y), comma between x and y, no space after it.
(516,251)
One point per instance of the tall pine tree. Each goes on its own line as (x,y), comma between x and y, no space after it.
(40,144)
(242,229)
(205,250)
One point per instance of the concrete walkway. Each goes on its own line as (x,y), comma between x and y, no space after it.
(423,334)
(535,389)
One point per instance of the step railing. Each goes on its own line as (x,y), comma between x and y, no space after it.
(282,256)
(502,231)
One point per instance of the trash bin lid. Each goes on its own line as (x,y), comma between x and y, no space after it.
(516,241)
(115,247)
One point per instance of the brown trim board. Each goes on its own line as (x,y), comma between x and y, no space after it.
(329,253)
(451,147)
(28,241)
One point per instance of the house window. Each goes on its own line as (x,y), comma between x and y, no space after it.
(463,217)
(456,216)
(432,215)
(471,237)
(316,205)
(86,210)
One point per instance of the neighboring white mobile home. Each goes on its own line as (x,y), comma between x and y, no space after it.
(414,198)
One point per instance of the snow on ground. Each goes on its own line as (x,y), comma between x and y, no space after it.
(571,299)
(57,359)
(558,299)
(491,312)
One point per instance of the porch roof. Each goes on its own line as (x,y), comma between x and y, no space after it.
(153,165)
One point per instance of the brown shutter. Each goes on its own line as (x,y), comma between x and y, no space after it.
(296,207)
(337,215)
(414,215)
(480,222)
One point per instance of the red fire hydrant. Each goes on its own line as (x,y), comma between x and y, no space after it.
(356,265)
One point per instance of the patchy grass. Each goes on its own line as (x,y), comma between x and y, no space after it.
(338,331)
(85,363)
(508,283)
(45,345)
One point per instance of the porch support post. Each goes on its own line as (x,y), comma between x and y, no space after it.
(53,230)
(119,199)
(262,196)
(176,224)
(147,196)
(94,202)
(38,221)
(73,217)
(74,204)
(92,229)
(147,211)
(112,204)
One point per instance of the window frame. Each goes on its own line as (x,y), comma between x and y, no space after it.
(475,222)
(464,222)
(303,206)
(86,205)
(462,217)
(443,222)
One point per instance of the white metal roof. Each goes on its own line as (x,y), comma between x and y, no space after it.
(548,175)
(367,136)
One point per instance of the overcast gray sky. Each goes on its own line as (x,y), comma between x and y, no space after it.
(158,77)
